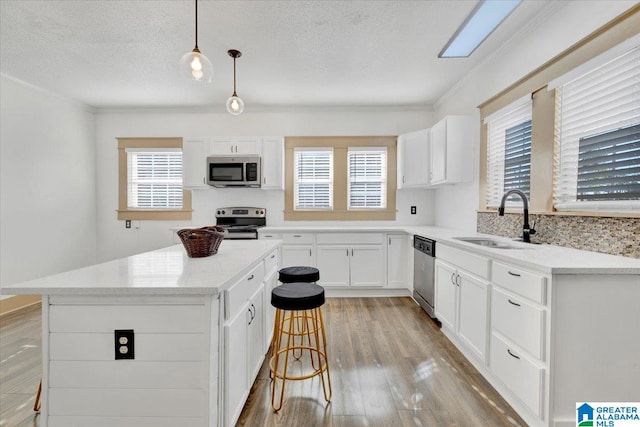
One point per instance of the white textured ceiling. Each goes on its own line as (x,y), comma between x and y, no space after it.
(114,53)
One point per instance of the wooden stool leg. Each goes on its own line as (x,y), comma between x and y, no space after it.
(36,405)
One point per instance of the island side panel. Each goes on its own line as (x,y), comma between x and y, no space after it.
(169,381)
(596,347)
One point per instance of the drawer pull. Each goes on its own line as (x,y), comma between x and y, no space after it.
(297,235)
(250,277)
(514,274)
(512,355)
(514,303)
(273,256)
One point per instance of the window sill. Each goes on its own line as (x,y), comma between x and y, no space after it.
(149,215)
(340,215)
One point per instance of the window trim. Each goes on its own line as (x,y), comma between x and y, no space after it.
(606,37)
(126,213)
(340,209)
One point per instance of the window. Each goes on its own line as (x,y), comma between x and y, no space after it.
(313,178)
(509,150)
(340,178)
(597,152)
(154,179)
(367,178)
(150,180)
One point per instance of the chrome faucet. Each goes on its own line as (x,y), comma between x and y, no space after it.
(527,231)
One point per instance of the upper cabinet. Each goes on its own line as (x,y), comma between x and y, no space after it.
(195,152)
(194,162)
(231,145)
(413,159)
(450,157)
(273,163)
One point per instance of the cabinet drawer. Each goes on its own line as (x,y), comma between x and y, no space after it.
(239,293)
(271,262)
(521,282)
(473,263)
(350,238)
(297,238)
(521,322)
(523,377)
(268,236)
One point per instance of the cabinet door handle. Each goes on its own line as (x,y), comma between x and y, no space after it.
(347,252)
(251,313)
(513,274)
(512,355)
(250,277)
(514,303)
(453,282)
(458,280)
(351,252)
(310,252)
(273,256)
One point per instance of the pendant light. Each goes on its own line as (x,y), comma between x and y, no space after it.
(194,66)
(235,105)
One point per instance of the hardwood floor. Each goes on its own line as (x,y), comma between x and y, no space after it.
(390,366)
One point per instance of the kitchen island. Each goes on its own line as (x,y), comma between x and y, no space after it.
(145,340)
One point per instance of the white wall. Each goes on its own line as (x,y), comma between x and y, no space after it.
(566,23)
(115,241)
(48,186)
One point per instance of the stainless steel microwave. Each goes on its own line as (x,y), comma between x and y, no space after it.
(234,171)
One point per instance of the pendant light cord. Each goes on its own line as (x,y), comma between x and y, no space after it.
(196,24)
(234,76)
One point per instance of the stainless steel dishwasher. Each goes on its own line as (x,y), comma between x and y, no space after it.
(423,273)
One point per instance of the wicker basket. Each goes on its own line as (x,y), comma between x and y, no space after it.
(201,242)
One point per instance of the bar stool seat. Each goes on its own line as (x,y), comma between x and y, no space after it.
(299,273)
(296,304)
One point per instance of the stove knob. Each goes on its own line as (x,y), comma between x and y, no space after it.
(223,212)
(257,212)
(218,212)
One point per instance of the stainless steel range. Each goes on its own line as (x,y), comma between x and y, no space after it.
(241,222)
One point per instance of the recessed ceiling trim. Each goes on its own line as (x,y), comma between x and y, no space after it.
(481,22)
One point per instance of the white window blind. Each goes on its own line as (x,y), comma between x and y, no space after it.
(313,178)
(367,178)
(597,153)
(509,150)
(154,178)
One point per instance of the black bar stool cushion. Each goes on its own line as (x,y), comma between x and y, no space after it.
(297,296)
(298,274)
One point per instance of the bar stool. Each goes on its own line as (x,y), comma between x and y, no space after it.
(297,274)
(298,301)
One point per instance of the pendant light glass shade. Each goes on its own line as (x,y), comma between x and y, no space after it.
(235,105)
(194,65)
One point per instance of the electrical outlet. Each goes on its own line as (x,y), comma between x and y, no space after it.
(124,348)
(127,223)
(413,210)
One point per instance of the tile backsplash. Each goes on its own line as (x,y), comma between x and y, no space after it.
(610,235)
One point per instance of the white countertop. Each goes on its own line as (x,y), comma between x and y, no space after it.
(167,271)
(545,258)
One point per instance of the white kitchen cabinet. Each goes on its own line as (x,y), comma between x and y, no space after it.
(194,162)
(413,159)
(397,260)
(297,249)
(351,259)
(236,145)
(446,293)
(450,157)
(236,372)
(255,334)
(462,298)
(273,163)
(473,297)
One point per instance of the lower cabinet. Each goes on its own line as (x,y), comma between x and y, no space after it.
(236,379)
(345,264)
(461,304)
(398,265)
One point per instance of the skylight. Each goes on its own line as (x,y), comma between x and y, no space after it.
(484,18)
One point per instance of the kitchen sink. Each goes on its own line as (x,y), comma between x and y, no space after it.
(489,243)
